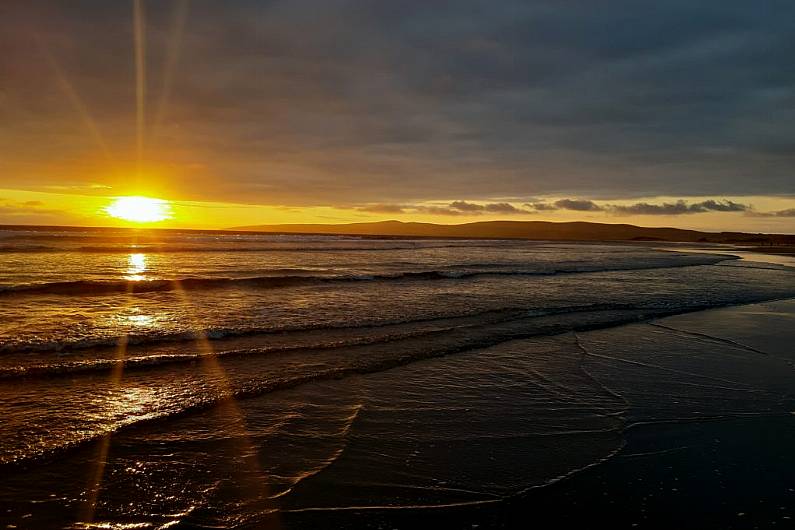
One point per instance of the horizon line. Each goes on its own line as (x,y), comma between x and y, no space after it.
(254,227)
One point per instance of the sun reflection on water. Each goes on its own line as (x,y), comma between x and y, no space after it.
(141,320)
(136,267)
(129,404)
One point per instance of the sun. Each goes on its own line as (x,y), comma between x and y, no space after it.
(139,209)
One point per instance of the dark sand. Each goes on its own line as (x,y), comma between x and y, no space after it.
(732,472)
(781,250)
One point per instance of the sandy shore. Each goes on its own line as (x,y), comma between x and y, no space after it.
(730,474)
(732,470)
(782,250)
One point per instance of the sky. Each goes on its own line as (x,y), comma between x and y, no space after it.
(674,113)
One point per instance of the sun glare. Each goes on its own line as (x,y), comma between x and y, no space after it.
(139,209)
(136,267)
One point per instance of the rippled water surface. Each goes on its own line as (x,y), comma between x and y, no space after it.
(219,380)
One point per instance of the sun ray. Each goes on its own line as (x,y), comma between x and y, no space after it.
(75,100)
(97,473)
(101,459)
(255,481)
(139,36)
(170,63)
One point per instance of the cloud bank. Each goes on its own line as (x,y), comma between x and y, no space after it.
(331,102)
(680,207)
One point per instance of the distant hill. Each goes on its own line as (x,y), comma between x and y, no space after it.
(542,230)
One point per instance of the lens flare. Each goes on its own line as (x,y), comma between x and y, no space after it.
(139,209)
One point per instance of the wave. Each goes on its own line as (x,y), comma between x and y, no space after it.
(416,349)
(372,336)
(320,246)
(133,340)
(224,334)
(96,287)
(368,334)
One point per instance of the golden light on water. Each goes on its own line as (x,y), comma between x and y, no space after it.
(139,209)
(136,267)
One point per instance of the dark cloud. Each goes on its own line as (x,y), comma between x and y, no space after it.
(339,101)
(494,207)
(438,210)
(503,207)
(721,206)
(383,208)
(467,206)
(578,205)
(541,206)
(454,208)
(679,208)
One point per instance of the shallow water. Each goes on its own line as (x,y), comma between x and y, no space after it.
(219,380)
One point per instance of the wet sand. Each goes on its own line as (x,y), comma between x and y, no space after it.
(732,470)
(782,250)
(734,473)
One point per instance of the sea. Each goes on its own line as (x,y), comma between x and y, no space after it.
(188,379)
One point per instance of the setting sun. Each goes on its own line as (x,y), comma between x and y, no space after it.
(139,209)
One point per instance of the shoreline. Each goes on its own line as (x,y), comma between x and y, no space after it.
(644,485)
(719,471)
(743,253)
(782,250)
(531,423)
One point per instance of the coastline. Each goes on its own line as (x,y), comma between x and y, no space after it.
(782,250)
(734,470)
(512,423)
(653,482)
(753,254)
(719,471)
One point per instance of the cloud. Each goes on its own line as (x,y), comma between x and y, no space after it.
(504,207)
(721,206)
(454,208)
(790,212)
(494,207)
(317,102)
(578,205)
(679,208)
(471,208)
(541,206)
(466,206)
(383,208)
(438,210)
(29,212)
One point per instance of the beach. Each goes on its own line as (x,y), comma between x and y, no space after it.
(394,265)
(269,381)
(683,466)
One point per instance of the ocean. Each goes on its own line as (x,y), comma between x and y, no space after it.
(221,380)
